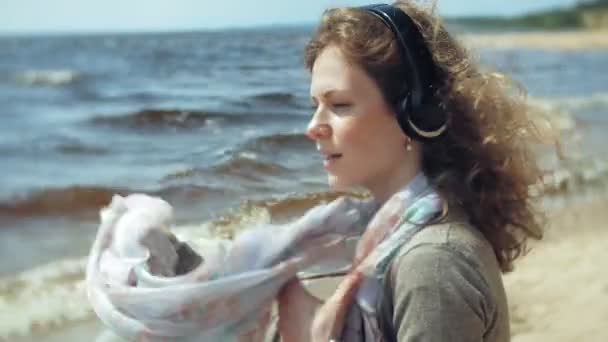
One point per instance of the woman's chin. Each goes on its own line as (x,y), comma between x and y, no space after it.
(337,183)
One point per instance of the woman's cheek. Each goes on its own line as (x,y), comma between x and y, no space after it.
(349,129)
(354,135)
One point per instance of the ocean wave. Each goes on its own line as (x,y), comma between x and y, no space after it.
(281,141)
(250,167)
(74,199)
(574,104)
(85,200)
(81,149)
(160,117)
(276,209)
(576,174)
(285,104)
(47,77)
(243,165)
(181,118)
(51,144)
(52,296)
(275,98)
(550,119)
(43,298)
(293,205)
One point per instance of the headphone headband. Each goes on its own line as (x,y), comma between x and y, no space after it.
(419,66)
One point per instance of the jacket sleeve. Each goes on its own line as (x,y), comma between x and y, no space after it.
(438,295)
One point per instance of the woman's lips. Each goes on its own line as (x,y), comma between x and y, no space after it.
(333,156)
(331,159)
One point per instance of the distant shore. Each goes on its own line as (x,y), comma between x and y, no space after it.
(586,14)
(562,40)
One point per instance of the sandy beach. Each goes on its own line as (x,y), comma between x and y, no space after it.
(559,291)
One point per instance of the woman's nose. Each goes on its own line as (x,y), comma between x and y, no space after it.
(318,130)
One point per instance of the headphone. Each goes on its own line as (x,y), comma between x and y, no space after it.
(416,116)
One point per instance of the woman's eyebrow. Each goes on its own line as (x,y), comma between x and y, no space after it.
(328,93)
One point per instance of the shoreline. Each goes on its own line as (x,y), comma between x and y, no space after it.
(552,40)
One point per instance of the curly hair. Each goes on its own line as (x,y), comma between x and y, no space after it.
(484,161)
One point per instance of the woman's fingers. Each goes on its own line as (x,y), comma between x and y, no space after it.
(329,320)
(297,308)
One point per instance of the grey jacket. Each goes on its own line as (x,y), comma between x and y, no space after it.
(444,285)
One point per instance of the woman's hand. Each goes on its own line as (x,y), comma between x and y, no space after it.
(303,317)
(297,308)
(329,319)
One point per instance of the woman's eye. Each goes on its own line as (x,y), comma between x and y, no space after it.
(341,105)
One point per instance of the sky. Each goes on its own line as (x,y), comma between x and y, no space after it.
(44,16)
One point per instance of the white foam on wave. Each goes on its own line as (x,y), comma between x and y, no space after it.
(593,102)
(561,111)
(53,296)
(43,298)
(549,120)
(47,77)
(249,155)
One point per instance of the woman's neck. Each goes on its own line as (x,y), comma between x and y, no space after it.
(387,186)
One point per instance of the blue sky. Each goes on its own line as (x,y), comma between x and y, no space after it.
(162,15)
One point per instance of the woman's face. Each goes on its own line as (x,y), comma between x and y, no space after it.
(354,128)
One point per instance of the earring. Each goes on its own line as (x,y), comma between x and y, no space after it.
(408,146)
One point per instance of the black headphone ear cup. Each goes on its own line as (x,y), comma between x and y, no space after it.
(403,116)
(427,122)
(404,106)
(423,123)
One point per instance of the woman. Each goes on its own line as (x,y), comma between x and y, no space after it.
(398,101)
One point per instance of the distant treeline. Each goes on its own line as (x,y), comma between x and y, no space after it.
(586,14)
